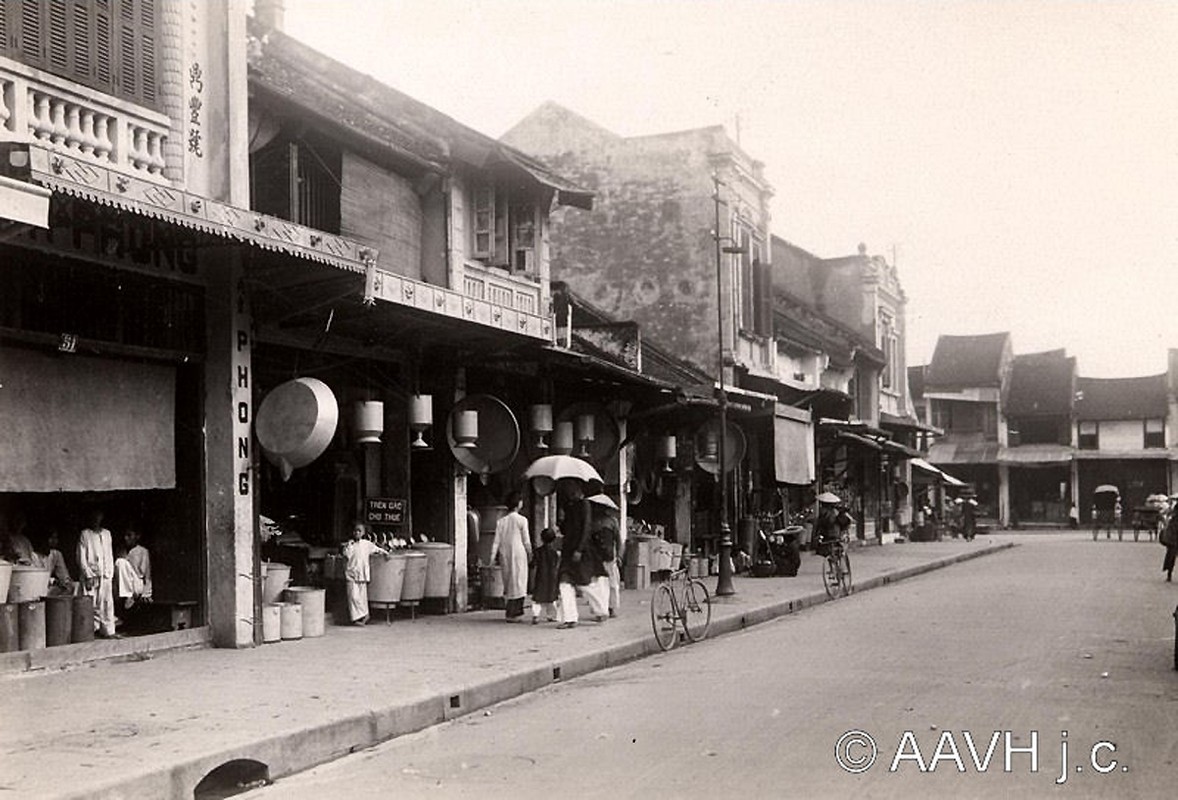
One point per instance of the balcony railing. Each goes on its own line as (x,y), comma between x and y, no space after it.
(501,288)
(38,107)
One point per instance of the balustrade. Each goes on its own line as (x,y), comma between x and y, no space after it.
(81,122)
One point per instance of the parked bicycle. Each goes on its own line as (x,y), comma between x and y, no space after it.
(680,601)
(836,570)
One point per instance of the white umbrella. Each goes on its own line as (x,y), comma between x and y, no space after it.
(829,497)
(1106,488)
(603,500)
(547,470)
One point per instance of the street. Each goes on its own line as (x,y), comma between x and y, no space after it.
(1044,668)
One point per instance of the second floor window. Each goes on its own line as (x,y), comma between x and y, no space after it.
(505,230)
(1089,438)
(889,342)
(1155,433)
(108,45)
(298,179)
(753,281)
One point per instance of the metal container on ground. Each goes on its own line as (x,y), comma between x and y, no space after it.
(387,578)
(439,568)
(5,578)
(82,629)
(272,622)
(413,585)
(491,580)
(31,621)
(275,577)
(27,583)
(59,619)
(313,602)
(291,621)
(9,628)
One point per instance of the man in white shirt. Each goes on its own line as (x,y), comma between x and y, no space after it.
(97,565)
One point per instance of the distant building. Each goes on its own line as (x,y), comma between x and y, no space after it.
(963,388)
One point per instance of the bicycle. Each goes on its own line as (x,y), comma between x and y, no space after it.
(836,571)
(680,601)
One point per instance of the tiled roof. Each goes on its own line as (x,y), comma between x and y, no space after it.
(1121,398)
(961,361)
(384,120)
(1041,383)
(797,321)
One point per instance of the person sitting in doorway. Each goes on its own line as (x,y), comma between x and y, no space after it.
(47,556)
(133,577)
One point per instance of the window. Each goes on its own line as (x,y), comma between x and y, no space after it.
(108,45)
(504,229)
(753,281)
(1089,436)
(298,179)
(1155,433)
(889,342)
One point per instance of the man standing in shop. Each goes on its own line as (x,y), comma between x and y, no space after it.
(97,564)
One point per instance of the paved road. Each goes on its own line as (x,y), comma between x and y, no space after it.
(1059,634)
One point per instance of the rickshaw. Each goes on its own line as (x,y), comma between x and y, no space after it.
(1105,499)
(1151,516)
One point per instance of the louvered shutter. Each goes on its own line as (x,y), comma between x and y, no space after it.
(136,43)
(29,45)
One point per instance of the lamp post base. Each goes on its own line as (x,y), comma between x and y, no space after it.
(724,586)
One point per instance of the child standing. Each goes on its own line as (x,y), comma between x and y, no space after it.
(357,572)
(546,589)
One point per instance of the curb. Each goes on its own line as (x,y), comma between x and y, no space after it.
(299,750)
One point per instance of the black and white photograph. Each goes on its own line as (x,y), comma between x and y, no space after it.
(536,399)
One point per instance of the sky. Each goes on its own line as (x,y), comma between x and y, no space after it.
(1018,160)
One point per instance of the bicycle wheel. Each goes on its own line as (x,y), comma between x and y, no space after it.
(663,616)
(845,574)
(697,610)
(830,576)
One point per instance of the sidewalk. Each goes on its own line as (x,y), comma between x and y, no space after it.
(154,726)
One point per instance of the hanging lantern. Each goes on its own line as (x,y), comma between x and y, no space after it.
(585,433)
(466,429)
(368,421)
(562,438)
(421,418)
(667,450)
(711,449)
(541,423)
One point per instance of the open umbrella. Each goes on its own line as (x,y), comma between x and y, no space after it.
(829,497)
(1106,487)
(545,471)
(603,500)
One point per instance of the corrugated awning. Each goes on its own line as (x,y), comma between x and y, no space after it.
(567,193)
(897,449)
(1028,454)
(1147,454)
(855,439)
(963,453)
(96,183)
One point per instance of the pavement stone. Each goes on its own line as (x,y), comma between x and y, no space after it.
(154,724)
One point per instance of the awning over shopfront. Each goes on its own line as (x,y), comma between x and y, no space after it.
(793,445)
(856,439)
(1028,455)
(905,423)
(924,466)
(964,453)
(1149,454)
(898,450)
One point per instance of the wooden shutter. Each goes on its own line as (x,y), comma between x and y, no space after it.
(29,45)
(483,239)
(136,40)
(763,274)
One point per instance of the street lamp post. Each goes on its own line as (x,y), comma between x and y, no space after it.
(724,580)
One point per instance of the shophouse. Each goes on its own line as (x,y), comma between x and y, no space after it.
(242,283)
(1035,465)
(862,294)
(678,242)
(963,388)
(1124,433)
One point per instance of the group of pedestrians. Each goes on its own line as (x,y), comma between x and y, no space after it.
(585,563)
